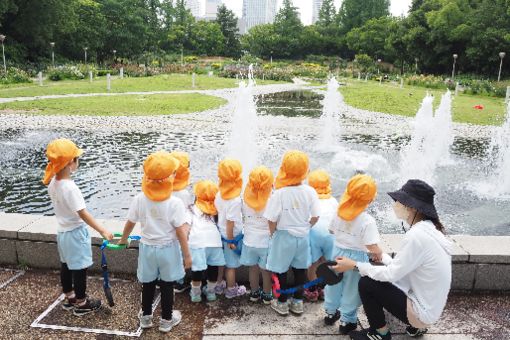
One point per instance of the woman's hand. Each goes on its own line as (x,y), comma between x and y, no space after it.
(344,264)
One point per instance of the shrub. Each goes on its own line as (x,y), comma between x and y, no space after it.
(14,76)
(64,72)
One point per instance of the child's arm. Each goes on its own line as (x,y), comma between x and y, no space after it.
(375,252)
(182,235)
(313,220)
(128,229)
(230,233)
(91,221)
(272,227)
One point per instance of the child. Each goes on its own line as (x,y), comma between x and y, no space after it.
(230,223)
(205,242)
(355,231)
(321,240)
(180,190)
(73,238)
(256,232)
(292,210)
(163,221)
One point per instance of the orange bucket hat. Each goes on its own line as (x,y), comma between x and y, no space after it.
(59,152)
(157,182)
(319,180)
(259,188)
(231,182)
(181,179)
(205,192)
(360,192)
(293,170)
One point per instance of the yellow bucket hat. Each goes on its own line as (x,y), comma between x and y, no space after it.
(293,170)
(360,192)
(259,188)
(319,180)
(182,175)
(157,182)
(205,192)
(231,182)
(59,152)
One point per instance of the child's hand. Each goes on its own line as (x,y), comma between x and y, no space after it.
(187,262)
(123,241)
(232,246)
(376,257)
(107,235)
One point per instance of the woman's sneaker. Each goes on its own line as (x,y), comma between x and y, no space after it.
(281,308)
(210,295)
(415,332)
(220,287)
(255,295)
(69,303)
(267,298)
(145,320)
(166,326)
(311,296)
(346,327)
(91,305)
(297,306)
(369,334)
(330,319)
(235,291)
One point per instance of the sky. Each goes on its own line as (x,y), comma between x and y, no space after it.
(398,7)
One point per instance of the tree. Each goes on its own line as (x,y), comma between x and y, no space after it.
(354,13)
(260,41)
(327,15)
(207,38)
(371,38)
(288,29)
(179,37)
(228,25)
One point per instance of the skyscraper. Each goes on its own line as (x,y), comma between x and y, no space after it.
(257,12)
(194,7)
(211,9)
(317,4)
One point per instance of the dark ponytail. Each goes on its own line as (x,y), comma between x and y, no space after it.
(439,226)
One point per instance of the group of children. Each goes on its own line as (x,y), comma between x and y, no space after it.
(275,225)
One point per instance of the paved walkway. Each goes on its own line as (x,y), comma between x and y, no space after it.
(25,298)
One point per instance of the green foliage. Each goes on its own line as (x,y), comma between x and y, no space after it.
(355,13)
(13,76)
(228,25)
(363,61)
(64,72)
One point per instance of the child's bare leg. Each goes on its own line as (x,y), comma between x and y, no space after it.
(313,268)
(254,278)
(266,281)
(230,275)
(221,272)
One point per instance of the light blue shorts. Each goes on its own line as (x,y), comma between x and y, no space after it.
(251,256)
(203,257)
(286,250)
(160,262)
(74,248)
(231,258)
(322,243)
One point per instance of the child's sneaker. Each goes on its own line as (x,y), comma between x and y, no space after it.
(311,296)
(220,288)
(330,319)
(281,308)
(255,295)
(297,306)
(267,298)
(415,332)
(166,326)
(181,287)
(210,295)
(195,294)
(235,291)
(91,305)
(145,320)
(346,327)
(369,334)
(68,303)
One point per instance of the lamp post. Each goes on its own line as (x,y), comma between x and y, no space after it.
(182,55)
(2,38)
(501,56)
(416,65)
(378,63)
(114,52)
(52,44)
(455,56)
(271,57)
(85,50)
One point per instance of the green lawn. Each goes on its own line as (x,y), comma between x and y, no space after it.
(121,105)
(389,98)
(166,82)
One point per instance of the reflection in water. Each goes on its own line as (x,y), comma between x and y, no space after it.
(290,104)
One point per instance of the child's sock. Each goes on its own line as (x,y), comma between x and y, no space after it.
(70,295)
(211,286)
(195,290)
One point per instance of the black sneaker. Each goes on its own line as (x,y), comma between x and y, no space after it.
(255,295)
(266,298)
(415,332)
(68,304)
(346,327)
(369,334)
(181,287)
(91,305)
(330,319)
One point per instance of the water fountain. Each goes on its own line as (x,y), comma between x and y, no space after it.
(329,120)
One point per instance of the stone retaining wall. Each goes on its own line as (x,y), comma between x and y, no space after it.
(479,262)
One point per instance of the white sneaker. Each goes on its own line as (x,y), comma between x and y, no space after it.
(281,308)
(166,326)
(145,320)
(296,306)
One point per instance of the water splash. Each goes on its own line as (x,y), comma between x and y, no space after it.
(332,104)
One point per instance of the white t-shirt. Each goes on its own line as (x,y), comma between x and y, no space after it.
(188,201)
(328,208)
(204,232)
(67,200)
(355,234)
(158,220)
(230,210)
(422,269)
(256,228)
(292,208)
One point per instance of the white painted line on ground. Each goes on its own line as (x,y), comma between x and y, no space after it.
(36,323)
(18,274)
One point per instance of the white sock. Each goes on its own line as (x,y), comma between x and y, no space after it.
(211,286)
(195,290)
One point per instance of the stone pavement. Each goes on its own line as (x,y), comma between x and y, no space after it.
(480,316)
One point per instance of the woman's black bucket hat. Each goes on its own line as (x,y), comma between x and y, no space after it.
(418,195)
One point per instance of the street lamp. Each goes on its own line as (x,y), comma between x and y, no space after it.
(85,50)
(455,56)
(2,38)
(114,52)
(52,44)
(378,63)
(501,56)
(416,65)
(271,57)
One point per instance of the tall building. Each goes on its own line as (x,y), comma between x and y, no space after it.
(317,4)
(211,9)
(194,7)
(257,12)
